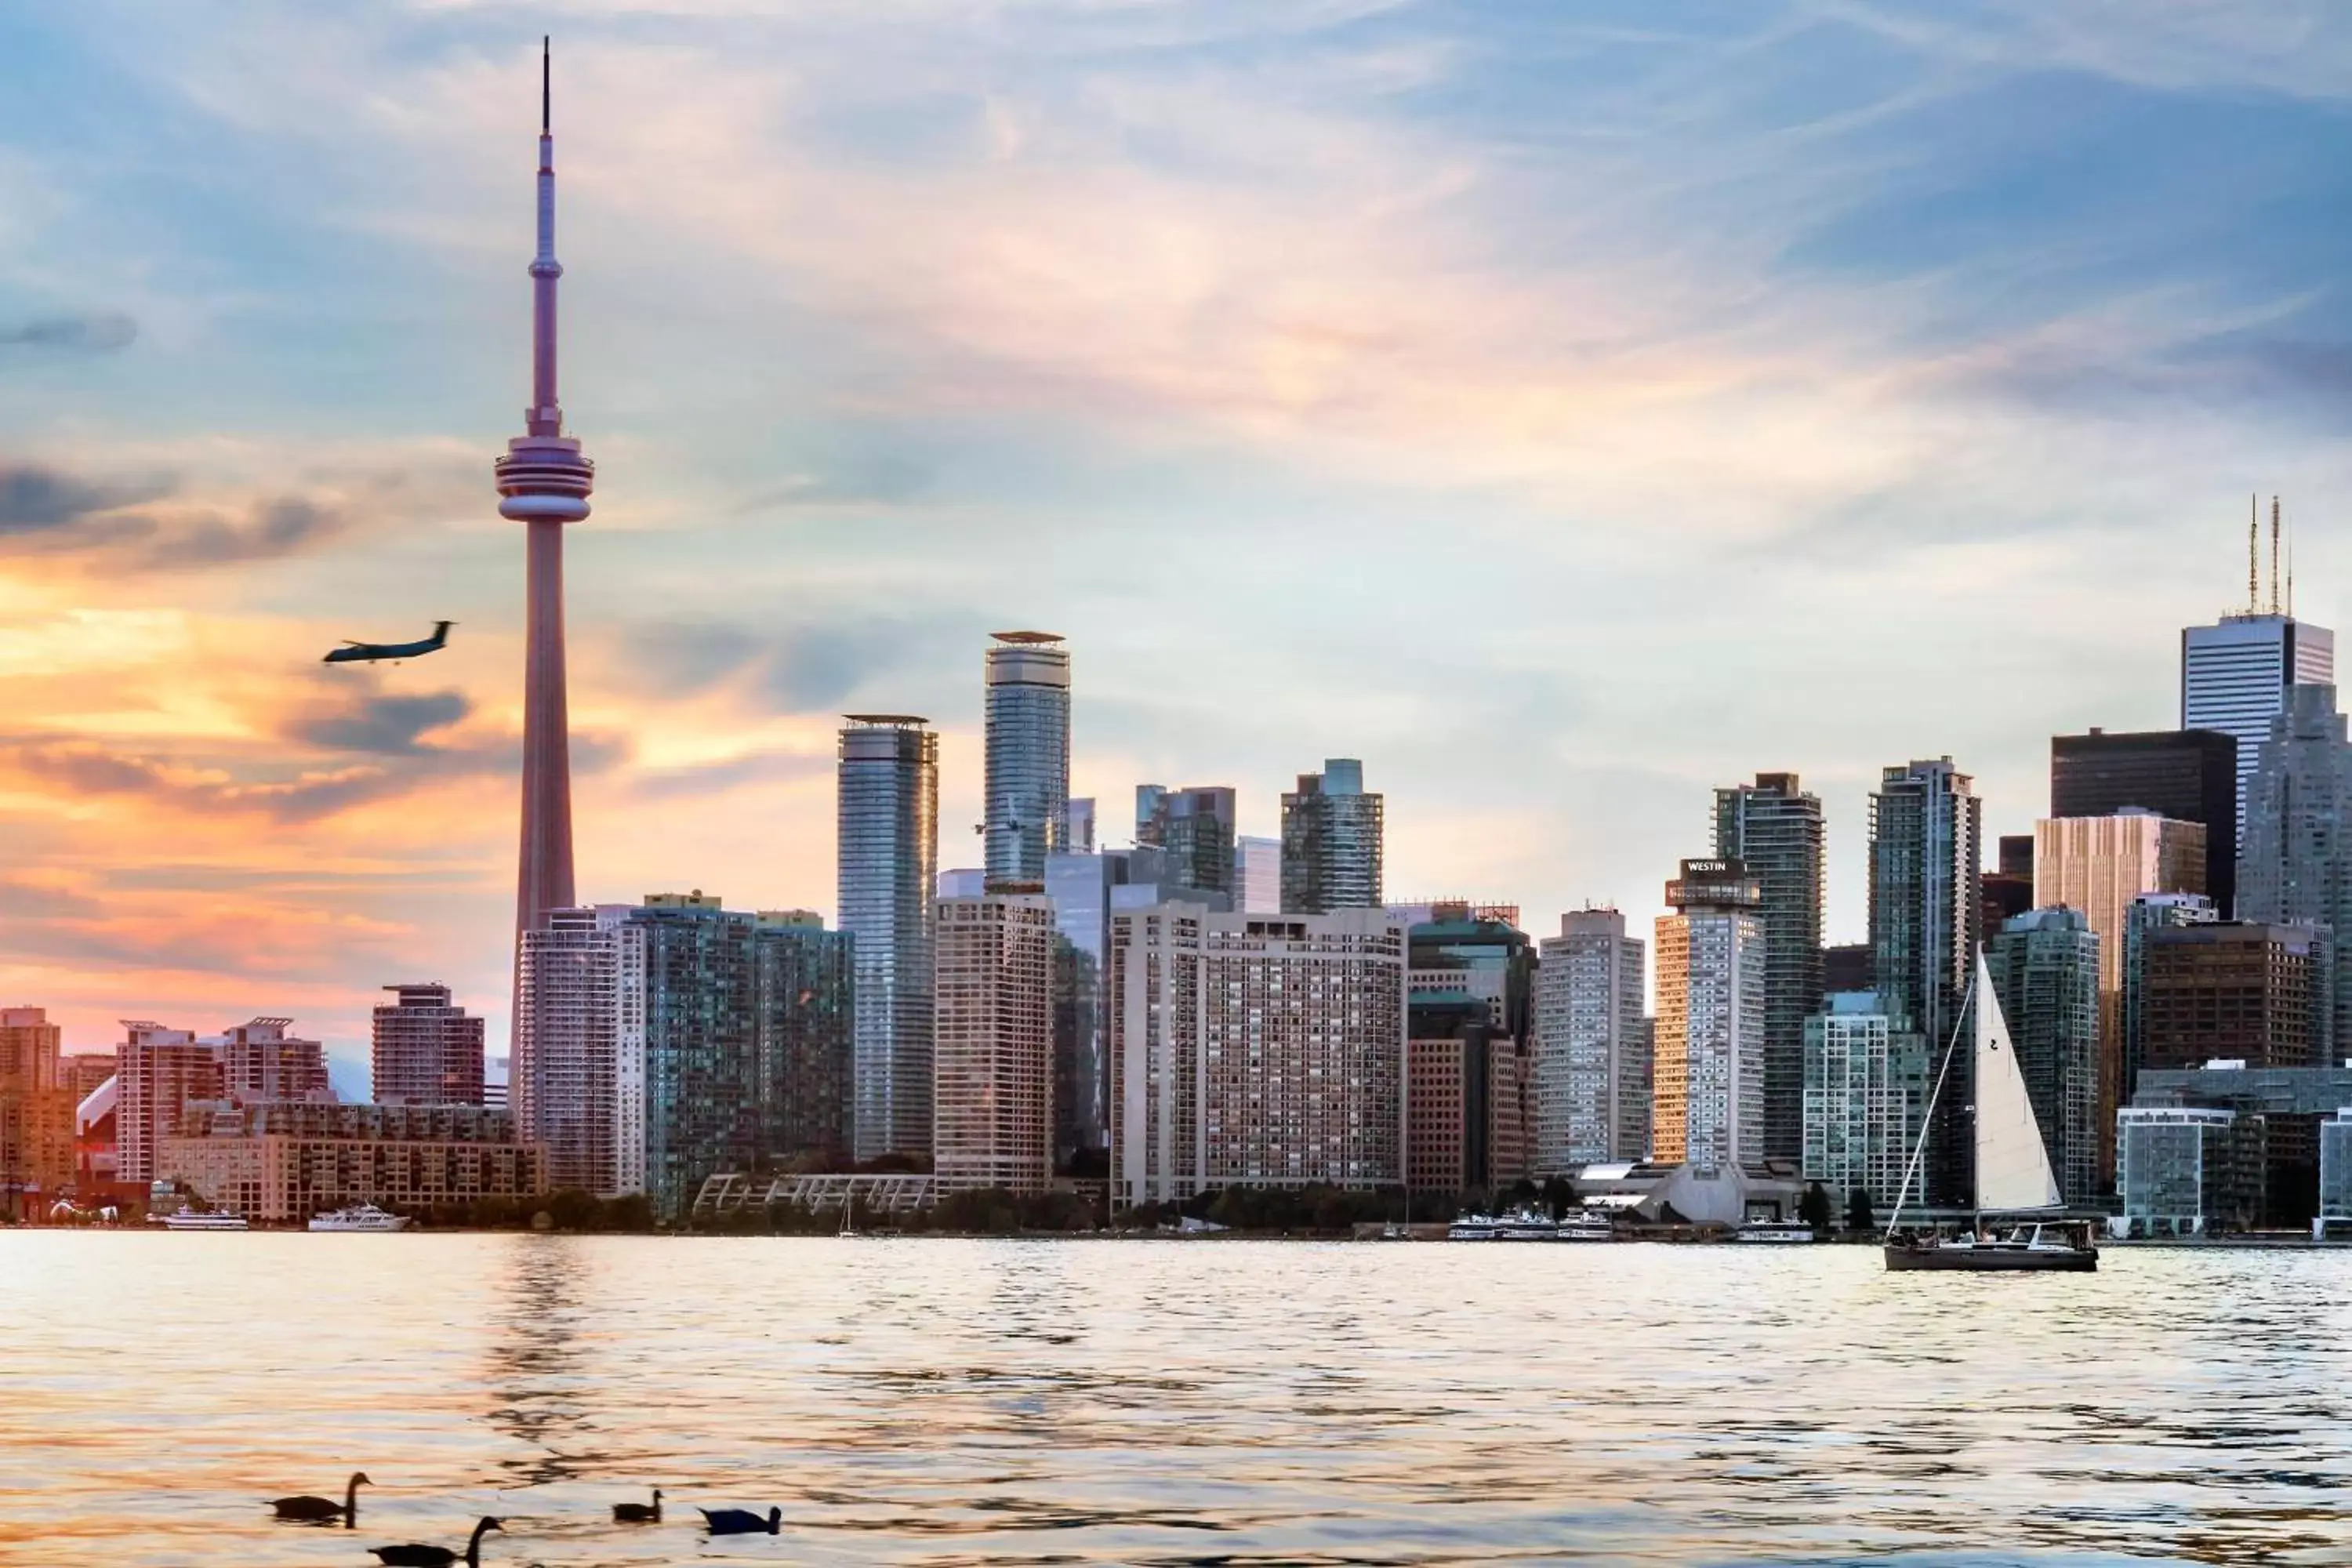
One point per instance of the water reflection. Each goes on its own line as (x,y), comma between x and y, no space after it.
(975,1403)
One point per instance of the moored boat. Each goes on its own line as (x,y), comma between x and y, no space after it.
(1774,1231)
(360,1217)
(190,1219)
(1474,1227)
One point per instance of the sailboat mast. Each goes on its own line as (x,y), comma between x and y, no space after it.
(1927,1118)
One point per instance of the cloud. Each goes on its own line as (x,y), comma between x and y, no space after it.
(100,333)
(383,724)
(150,526)
(800,669)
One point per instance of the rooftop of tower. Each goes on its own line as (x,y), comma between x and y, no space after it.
(1026,638)
(900,719)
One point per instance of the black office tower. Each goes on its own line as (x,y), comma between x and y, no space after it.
(2190,775)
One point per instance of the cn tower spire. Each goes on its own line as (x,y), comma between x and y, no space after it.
(543,483)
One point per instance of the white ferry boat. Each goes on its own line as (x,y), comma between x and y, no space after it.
(1475,1227)
(189,1219)
(359,1217)
(1774,1230)
(1587,1226)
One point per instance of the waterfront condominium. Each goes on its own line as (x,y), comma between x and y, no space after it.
(2098,865)
(2146,915)
(37,1098)
(2236,676)
(1193,826)
(1331,842)
(157,1073)
(1027,791)
(1867,1083)
(428,1050)
(805,995)
(1592,1045)
(1254,1051)
(993,1042)
(1775,829)
(687,1027)
(1927,920)
(1258,875)
(565,1084)
(1707,1099)
(2295,860)
(888,850)
(2045,969)
(260,1061)
(2189,776)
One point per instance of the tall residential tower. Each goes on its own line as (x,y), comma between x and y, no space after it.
(1774,827)
(1028,762)
(889,849)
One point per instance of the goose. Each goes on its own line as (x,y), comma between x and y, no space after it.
(638,1513)
(319,1509)
(414,1556)
(742,1521)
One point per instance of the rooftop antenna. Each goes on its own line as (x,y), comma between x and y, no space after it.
(2253,535)
(546,90)
(2290,571)
(2274,547)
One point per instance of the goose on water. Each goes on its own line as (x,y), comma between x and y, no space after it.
(638,1513)
(319,1509)
(743,1521)
(414,1556)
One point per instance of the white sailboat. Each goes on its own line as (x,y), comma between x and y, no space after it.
(2013,1164)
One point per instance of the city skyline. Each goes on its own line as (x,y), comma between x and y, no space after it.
(208,824)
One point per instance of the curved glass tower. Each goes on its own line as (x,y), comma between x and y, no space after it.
(889,805)
(1028,790)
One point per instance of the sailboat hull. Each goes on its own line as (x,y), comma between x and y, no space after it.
(1995,1259)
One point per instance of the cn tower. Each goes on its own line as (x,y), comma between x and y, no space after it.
(543,484)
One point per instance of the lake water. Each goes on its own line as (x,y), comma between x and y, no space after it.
(997,1402)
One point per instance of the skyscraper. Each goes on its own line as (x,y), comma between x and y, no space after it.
(1592,1064)
(2189,776)
(889,850)
(2237,991)
(2098,865)
(688,1030)
(1028,760)
(428,1050)
(994,1044)
(1926,924)
(2236,674)
(1193,826)
(543,483)
(157,1072)
(2295,856)
(1775,829)
(260,1061)
(2147,914)
(1331,842)
(1255,1051)
(2044,966)
(1707,1095)
(1258,875)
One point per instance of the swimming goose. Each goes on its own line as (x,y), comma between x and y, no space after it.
(638,1513)
(414,1556)
(742,1521)
(320,1509)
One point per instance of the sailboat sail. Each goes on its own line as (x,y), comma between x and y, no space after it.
(2012,1162)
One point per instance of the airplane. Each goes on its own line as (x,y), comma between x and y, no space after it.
(363,652)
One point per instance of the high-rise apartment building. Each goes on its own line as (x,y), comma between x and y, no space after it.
(2238,991)
(1253,1050)
(29,1047)
(1332,833)
(688,1032)
(1708,1096)
(1258,875)
(805,993)
(158,1073)
(428,1050)
(889,810)
(280,1161)
(1193,827)
(1028,755)
(2148,913)
(2189,776)
(994,1043)
(1775,829)
(260,1061)
(566,1085)
(2044,966)
(2098,865)
(1867,1077)
(37,1110)
(1591,1086)
(1465,1124)
(2295,854)
(2237,674)
(1926,912)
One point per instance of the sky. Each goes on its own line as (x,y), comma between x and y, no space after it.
(1565,410)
